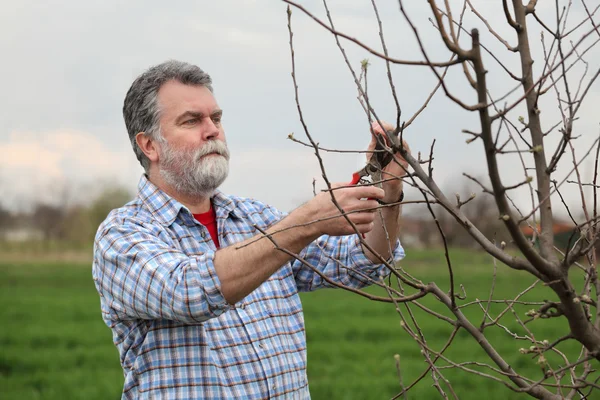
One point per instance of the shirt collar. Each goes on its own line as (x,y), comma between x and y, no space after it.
(166,208)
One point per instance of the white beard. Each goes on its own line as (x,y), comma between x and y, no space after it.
(189,173)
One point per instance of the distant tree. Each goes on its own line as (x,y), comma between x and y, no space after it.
(5,216)
(6,220)
(110,198)
(81,221)
(479,208)
(50,220)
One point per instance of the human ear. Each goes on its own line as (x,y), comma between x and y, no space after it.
(147,145)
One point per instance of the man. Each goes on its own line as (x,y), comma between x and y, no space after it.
(201,304)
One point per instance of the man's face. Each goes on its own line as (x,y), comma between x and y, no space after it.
(194,158)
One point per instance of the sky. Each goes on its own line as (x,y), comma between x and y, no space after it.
(67,64)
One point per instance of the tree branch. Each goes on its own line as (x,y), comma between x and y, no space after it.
(367,48)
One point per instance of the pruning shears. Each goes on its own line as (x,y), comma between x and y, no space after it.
(378,161)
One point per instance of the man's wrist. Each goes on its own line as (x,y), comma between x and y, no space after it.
(397,201)
(394,194)
(303,220)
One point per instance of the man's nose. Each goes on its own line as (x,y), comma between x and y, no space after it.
(210,131)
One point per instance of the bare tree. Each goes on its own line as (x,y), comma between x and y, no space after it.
(81,221)
(108,199)
(50,219)
(6,219)
(511,123)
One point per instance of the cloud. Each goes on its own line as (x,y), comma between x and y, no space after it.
(36,165)
(51,152)
(29,155)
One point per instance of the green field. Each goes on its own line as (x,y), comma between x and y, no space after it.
(54,345)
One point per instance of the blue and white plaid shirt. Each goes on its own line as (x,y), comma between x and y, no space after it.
(177,336)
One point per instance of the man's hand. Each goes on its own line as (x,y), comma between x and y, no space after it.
(395,169)
(353,200)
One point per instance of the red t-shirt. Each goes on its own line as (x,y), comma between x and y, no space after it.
(209,220)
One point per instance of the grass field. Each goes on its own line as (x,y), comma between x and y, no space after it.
(54,345)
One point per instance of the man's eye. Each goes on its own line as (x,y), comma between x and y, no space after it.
(217,120)
(190,121)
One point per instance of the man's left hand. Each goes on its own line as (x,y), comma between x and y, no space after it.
(395,170)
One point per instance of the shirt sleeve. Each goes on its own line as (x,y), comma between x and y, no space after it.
(140,274)
(342,260)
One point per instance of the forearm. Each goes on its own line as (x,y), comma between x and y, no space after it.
(382,238)
(243,267)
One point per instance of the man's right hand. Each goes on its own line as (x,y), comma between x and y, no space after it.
(357,202)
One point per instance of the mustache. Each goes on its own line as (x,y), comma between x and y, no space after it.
(213,146)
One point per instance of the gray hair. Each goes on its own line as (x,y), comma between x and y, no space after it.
(141,110)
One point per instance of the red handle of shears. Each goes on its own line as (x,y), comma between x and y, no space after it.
(354,181)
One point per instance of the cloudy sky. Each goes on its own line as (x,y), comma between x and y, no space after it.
(67,64)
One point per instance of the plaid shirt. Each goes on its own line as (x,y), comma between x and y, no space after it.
(177,336)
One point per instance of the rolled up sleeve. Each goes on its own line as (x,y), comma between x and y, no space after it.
(342,260)
(361,262)
(141,275)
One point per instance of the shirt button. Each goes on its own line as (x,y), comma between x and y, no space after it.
(261,346)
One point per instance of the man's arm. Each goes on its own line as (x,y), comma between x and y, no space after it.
(384,235)
(261,260)
(243,267)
